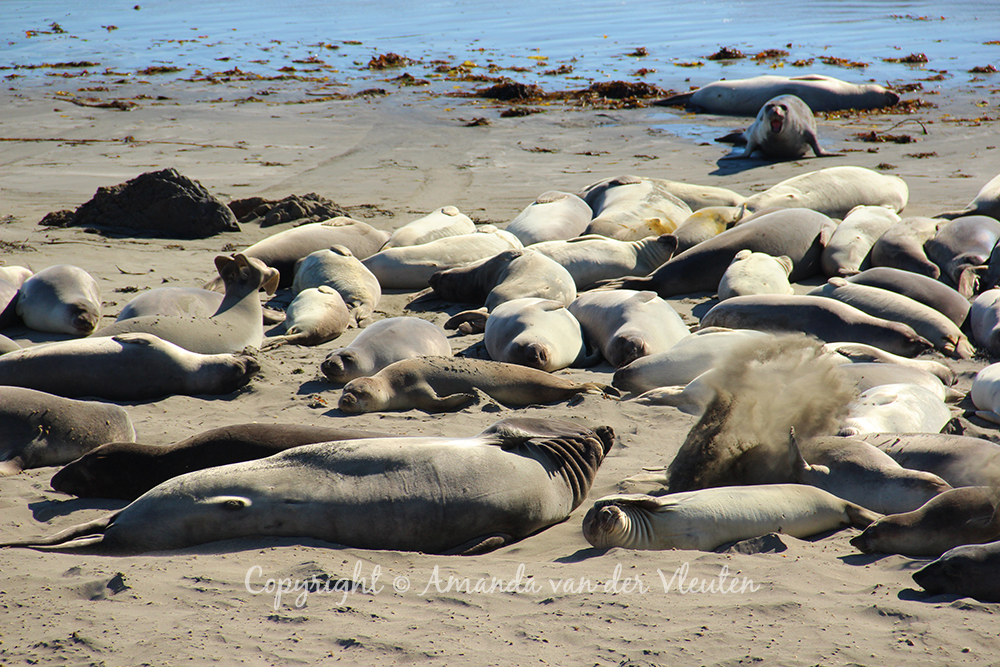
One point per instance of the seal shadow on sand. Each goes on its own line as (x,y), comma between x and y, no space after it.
(46,510)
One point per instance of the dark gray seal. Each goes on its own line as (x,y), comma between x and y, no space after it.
(924,289)
(41,429)
(969,570)
(962,248)
(127,470)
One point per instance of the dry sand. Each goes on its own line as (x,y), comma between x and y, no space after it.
(396,158)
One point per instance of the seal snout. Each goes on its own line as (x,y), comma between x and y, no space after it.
(863,542)
(602,523)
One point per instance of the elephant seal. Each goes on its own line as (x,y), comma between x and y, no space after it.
(280,251)
(784,129)
(125,367)
(924,289)
(593,258)
(986,202)
(755,273)
(435,495)
(438,224)
(950,519)
(337,268)
(895,408)
(685,361)
(957,459)
(902,246)
(382,343)
(236,325)
(834,191)
(703,224)
(316,315)
(984,320)
(553,216)
(41,429)
(127,470)
(8,304)
(632,208)
(174,302)
(799,234)
(537,333)
(850,247)
(411,267)
(694,195)
(60,299)
(16,275)
(439,384)
(708,518)
(860,473)
(985,393)
(861,353)
(8,345)
(969,570)
(626,324)
(925,320)
(511,274)
(744,97)
(962,248)
(866,375)
(827,319)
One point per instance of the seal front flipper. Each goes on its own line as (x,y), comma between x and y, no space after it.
(469,321)
(480,545)
(435,403)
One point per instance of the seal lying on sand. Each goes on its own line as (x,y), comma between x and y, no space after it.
(784,129)
(237,324)
(435,495)
(42,429)
(966,570)
(986,202)
(126,367)
(744,97)
(127,470)
(60,299)
(955,517)
(438,384)
(382,343)
(709,518)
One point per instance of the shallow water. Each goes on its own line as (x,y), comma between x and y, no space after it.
(594,37)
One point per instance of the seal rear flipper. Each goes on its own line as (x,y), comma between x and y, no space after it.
(968,280)
(860,517)
(480,545)
(469,321)
(66,537)
(446,403)
(674,100)
(988,416)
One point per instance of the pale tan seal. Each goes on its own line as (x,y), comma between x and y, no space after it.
(552,216)
(537,333)
(626,324)
(438,384)
(955,517)
(756,273)
(784,129)
(834,191)
(849,249)
(236,325)
(895,408)
(316,315)
(337,268)
(632,208)
(985,393)
(959,460)
(435,495)
(125,367)
(708,518)
(986,202)
(438,224)
(60,299)
(984,320)
(385,342)
(41,429)
(696,196)
(593,258)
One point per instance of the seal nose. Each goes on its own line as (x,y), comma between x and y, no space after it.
(860,542)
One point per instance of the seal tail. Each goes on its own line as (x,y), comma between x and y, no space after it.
(94,530)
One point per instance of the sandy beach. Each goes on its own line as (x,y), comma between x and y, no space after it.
(388,160)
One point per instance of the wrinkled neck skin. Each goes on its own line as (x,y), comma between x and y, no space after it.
(574,460)
(632,528)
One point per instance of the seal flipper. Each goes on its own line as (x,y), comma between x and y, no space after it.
(65,538)
(480,545)
(469,321)
(435,403)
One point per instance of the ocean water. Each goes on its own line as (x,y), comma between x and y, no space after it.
(593,37)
